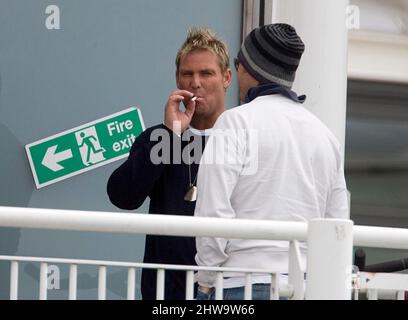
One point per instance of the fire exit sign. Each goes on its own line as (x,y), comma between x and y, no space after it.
(84,148)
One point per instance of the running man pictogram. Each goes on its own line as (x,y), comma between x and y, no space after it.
(90,149)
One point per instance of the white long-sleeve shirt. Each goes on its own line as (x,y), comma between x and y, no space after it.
(270,159)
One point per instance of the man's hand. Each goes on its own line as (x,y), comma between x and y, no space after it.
(174,119)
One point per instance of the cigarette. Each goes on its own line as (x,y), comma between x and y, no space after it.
(194,98)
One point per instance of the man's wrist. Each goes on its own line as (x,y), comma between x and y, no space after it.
(174,127)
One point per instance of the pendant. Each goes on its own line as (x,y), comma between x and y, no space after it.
(191,194)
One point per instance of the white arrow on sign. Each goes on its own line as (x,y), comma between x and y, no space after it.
(51,158)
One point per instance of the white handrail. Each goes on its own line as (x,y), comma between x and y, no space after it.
(171,225)
(113,222)
(366,236)
(381,237)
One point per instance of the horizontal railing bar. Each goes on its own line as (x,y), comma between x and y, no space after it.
(380,237)
(171,225)
(134,264)
(174,225)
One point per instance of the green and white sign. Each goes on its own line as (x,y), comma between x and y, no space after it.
(84,148)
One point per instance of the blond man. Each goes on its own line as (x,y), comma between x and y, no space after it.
(158,168)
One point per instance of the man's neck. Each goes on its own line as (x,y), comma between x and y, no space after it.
(201,123)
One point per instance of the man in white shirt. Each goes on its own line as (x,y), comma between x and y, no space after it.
(280,162)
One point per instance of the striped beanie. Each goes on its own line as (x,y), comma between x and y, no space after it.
(272,53)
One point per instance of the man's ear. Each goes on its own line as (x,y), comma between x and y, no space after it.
(227,78)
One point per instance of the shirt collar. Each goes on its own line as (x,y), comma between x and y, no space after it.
(273,88)
(197,132)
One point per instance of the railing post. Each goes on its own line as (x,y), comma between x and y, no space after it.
(102,283)
(219,286)
(160,284)
(248,286)
(43,280)
(296,271)
(329,259)
(131,284)
(190,285)
(73,272)
(14,280)
(274,294)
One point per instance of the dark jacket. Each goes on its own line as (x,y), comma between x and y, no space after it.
(165,184)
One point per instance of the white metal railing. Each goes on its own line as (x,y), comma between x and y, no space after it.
(284,291)
(329,248)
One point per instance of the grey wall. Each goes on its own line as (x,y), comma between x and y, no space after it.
(108,55)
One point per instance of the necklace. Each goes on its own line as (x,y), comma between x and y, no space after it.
(191,194)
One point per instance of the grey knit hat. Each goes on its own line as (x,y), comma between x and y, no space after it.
(272,53)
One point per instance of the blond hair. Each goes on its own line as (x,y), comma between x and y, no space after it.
(204,39)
